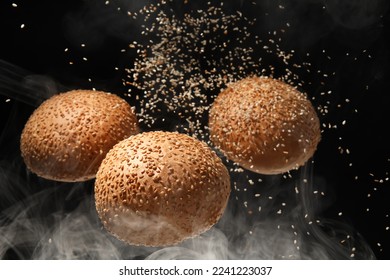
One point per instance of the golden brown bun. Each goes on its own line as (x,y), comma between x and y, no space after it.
(159,188)
(265,125)
(68,135)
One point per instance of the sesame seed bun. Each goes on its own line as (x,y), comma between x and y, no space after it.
(68,135)
(159,188)
(265,125)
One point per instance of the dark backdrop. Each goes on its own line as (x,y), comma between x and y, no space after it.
(35,35)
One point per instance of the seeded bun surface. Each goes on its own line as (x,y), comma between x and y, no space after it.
(68,135)
(159,188)
(265,125)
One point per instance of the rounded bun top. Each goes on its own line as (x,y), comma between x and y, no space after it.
(265,125)
(159,188)
(68,135)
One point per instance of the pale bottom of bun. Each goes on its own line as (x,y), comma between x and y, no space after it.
(142,229)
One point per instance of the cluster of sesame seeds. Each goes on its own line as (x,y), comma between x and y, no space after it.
(186,61)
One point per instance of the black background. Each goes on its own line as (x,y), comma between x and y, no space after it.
(354,35)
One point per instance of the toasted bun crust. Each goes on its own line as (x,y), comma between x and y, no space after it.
(265,125)
(159,188)
(68,135)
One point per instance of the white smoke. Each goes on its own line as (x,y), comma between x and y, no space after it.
(60,222)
